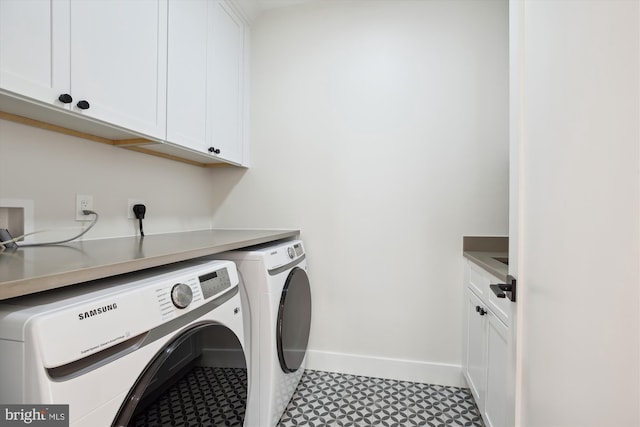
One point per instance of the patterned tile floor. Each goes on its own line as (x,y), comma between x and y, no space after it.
(203,397)
(216,397)
(330,399)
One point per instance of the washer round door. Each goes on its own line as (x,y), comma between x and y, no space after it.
(179,382)
(294,320)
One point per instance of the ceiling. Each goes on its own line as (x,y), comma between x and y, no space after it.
(253,8)
(272,4)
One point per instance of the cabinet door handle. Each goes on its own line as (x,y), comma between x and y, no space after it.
(65,98)
(503,290)
(214,150)
(83,105)
(498,290)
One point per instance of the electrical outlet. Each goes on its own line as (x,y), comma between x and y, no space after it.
(83,202)
(130,203)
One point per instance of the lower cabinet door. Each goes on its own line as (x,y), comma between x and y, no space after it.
(496,402)
(475,372)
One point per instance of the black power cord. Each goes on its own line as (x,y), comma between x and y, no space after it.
(139,211)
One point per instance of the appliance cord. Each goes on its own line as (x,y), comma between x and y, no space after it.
(86,212)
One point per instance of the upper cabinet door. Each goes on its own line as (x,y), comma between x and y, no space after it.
(205,82)
(187,74)
(226,88)
(34,48)
(118,62)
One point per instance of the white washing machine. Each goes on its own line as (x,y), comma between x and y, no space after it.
(109,348)
(277,297)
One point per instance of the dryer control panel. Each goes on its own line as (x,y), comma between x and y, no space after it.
(284,254)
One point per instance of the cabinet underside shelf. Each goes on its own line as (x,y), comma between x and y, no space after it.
(132,143)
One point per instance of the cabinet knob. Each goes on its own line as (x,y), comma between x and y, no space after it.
(83,105)
(65,98)
(214,150)
(481,310)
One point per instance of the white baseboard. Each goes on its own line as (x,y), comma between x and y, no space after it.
(355,364)
(380,367)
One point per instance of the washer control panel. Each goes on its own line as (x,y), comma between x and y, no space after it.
(188,291)
(214,282)
(107,312)
(181,295)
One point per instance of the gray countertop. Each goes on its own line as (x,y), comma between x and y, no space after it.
(486,261)
(482,250)
(36,269)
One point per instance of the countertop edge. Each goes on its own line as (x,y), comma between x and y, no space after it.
(21,287)
(484,260)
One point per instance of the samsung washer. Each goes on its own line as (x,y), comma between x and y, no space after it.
(277,305)
(110,347)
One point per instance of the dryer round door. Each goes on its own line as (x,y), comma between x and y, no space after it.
(294,320)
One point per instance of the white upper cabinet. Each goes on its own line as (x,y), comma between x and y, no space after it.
(118,52)
(206,74)
(171,71)
(102,59)
(34,49)
(187,74)
(226,90)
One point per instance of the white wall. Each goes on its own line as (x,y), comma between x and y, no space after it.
(579,216)
(50,169)
(380,130)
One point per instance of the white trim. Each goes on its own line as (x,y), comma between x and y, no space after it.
(382,367)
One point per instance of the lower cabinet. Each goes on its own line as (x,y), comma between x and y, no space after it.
(475,363)
(488,349)
(496,402)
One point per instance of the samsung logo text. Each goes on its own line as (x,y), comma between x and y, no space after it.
(97,311)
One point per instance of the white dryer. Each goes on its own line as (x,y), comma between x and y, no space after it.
(277,306)
(107,347)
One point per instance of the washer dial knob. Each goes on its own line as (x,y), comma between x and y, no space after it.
(181,295)
(291,252)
